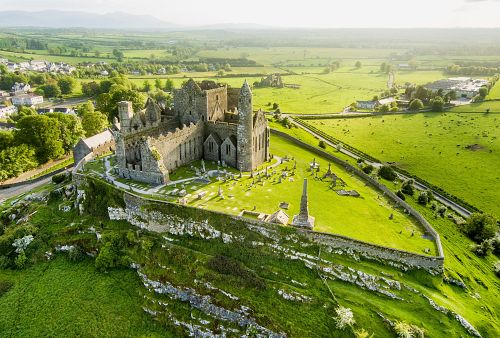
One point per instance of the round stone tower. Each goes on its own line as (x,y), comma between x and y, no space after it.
(245,129)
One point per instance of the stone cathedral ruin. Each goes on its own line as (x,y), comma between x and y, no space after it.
(208,121)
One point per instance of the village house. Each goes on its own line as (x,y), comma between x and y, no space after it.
(27,100)
(20,88)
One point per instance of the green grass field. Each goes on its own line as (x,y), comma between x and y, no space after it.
(458,152)
(63,299)
(480,107)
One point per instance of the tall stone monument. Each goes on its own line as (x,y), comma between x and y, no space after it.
(303,220)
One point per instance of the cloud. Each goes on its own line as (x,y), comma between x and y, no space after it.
(481,0)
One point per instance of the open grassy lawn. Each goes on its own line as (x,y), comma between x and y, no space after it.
(458,152)
(59,298)
(365,218)
(419,77)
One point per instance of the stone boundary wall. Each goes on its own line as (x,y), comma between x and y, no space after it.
(377,185)
(368,250)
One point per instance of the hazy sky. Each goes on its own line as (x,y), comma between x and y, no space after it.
(310,13)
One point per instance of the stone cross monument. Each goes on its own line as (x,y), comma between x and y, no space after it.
(303,220)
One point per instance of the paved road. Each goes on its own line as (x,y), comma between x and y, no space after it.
(18,190)
(450,204)
(14,191)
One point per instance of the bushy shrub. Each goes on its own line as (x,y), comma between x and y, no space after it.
(368,169)
(442,210)
(146,245)
(423,198)
(480,227)
(111,253)
(387,172)
(228,266)
(21,260)
(482,249)
(76,254)
(407,187)
(59,178)
(131,237)
(400,194)
(322,144)
(5,285)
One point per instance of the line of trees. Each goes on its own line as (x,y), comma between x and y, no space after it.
(472,70)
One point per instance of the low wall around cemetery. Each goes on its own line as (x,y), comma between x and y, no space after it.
(374,183)
(161,216)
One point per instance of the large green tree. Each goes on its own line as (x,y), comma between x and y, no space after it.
(70,127)
(51,90)
(416,104)
(91,89)
(94,122)
(15,160)
(43,133)
(437,104)
(21,112)
(480,227)
(108,103)
(67,84)
(6,139)
(7,80)
(85,107)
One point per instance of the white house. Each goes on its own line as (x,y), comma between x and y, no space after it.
(27,100)
(7,111)
(366,104)
(20,88)
(38,65)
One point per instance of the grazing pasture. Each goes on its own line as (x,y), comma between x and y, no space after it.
(458,152)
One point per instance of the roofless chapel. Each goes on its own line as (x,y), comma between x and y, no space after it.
(208,121)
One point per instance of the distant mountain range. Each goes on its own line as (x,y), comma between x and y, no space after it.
(70,19)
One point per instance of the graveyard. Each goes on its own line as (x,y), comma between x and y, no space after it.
(341,202)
